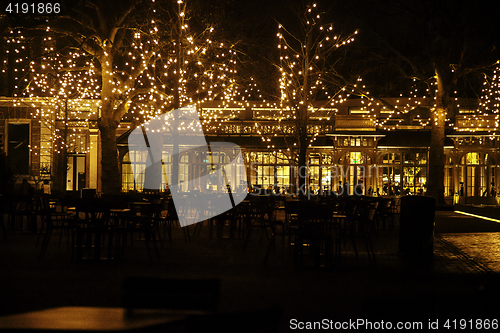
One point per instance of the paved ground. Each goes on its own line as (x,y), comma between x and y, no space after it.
(477,239)
(461,281)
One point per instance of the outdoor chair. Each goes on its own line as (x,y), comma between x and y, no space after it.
(166,218)
(180,207)
(360,224)
(315,235)
(52,221)
(144,219)
(21,213)
(277,223)
(382,215)
(258,209)
(292,212)
(93,228)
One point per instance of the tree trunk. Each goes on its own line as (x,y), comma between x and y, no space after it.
(110,176)
(435,177)
(435,183)
(108,123)
(302,170)
(60,172)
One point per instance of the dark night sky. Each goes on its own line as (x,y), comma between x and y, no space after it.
(419,30)
(416,29)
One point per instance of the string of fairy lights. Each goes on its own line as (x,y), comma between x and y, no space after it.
(65,88)
(65,84)
(206,71)
(489,104)
(303,58)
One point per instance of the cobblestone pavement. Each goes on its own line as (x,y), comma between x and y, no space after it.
(474,241)
(480,249)
(459,280)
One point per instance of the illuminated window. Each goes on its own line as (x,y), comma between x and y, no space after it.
(269,169)
(133,162)
(358,111)
(415,158)
(472,158)
(414,176)
(353,173)
(414,179)
(475,176)
(466,111)
(391,158)
(314,159)
(45,150)
(355,158)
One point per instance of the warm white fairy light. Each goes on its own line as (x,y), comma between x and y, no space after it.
(303,78)
(141,83)
(208,73)
(148,71)
(488,113)
(63,88)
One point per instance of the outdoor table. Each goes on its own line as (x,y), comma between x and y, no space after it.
(119,217)
(139,203)
(92,225)
(338,218)
(139,207)
(119,212)
(91,319)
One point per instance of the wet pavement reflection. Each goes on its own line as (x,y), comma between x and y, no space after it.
(483,247)
(478,238)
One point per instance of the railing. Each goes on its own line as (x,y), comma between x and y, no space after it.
(481,122)
(265,127)
(354,123)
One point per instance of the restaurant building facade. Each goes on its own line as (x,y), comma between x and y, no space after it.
(355,148)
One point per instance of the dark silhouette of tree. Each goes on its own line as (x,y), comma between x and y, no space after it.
(309,78)
(145,59)
(436,47)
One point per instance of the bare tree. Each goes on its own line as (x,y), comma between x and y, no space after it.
(435,45)
(309,78)
(61,84)
(146,62)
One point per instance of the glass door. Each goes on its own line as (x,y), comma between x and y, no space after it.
(76,174)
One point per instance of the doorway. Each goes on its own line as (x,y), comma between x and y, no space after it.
(477,179)
(18,147)
(76,173)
